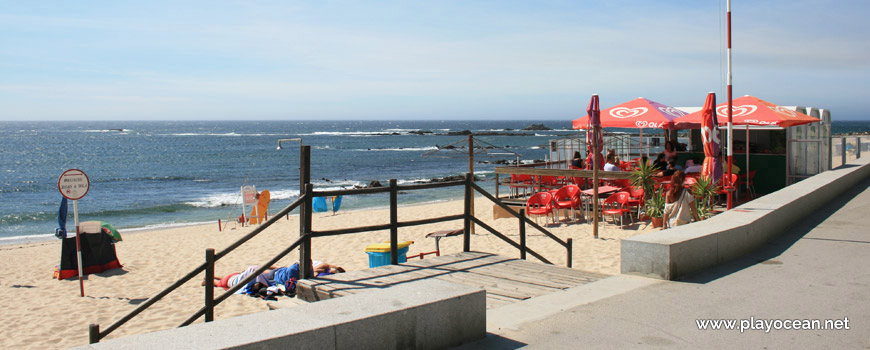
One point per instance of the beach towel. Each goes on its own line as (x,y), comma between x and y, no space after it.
(319,204)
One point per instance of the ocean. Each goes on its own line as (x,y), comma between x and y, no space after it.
(168,173)
(160,174)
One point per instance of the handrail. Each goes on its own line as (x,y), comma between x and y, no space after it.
(384,189)
(568,244)
(385,226)
(305,198)
(245,281)
(524,218)
(102,334)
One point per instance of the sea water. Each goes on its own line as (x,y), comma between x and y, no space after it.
(157,174)
(166,173)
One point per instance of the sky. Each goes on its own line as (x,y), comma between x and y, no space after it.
(439,60)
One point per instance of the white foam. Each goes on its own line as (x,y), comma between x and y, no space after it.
(409,149)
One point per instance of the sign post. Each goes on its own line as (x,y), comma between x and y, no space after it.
(73,184)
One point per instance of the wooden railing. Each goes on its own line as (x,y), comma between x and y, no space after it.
(304,202)
(94,333)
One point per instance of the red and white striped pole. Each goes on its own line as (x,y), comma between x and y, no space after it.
(727,182)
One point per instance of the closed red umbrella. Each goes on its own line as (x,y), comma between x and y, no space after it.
(593,115)
(712,168)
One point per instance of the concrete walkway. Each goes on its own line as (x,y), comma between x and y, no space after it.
(819,270)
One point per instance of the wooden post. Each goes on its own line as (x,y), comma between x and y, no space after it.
(304,167)
(466,243)
(570,242)
(209,285)
(305,268)
(394,220)
(305,211)
(220,226)
(471,170)
(522,234)
(94,333)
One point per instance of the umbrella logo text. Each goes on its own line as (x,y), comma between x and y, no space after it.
(783,111)
(671,111)
(646,124)
(709,136)
(623,112)
(738,111)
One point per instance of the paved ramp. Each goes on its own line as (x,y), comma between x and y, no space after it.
(506,280)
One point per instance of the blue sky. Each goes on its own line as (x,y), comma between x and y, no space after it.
(169,60)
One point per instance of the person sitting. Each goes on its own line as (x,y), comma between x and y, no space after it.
(577,162)
(660,163)
(670,152)
(679,203)
(672,167)
(691,167)
(610,164)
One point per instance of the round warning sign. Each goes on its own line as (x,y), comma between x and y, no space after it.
(73,184)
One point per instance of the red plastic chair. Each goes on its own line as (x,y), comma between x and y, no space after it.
(689,181)
(623,184)
(616,204)
(723,182)
(521,181)
(538,204)
(636,200)
(567,197)
(746,181)
(548,182)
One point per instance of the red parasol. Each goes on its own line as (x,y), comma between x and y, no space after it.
(749,110)
(712,168)
(637,113)
(593,116)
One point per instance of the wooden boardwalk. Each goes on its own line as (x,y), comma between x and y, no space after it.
(505,280)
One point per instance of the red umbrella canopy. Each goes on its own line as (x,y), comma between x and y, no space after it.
(749,110)
(637,113)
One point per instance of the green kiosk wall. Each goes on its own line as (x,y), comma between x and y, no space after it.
(769,168)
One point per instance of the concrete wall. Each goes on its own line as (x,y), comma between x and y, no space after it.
(678,251)
(425,314)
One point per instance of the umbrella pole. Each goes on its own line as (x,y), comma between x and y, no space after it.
(746,172)
(730,187)
(79,247)
(595,130)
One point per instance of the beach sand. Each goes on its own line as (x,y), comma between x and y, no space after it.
(42,312)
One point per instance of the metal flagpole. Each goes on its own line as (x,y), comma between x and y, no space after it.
(727,181)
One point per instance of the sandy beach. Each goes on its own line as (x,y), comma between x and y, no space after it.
(42,312)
